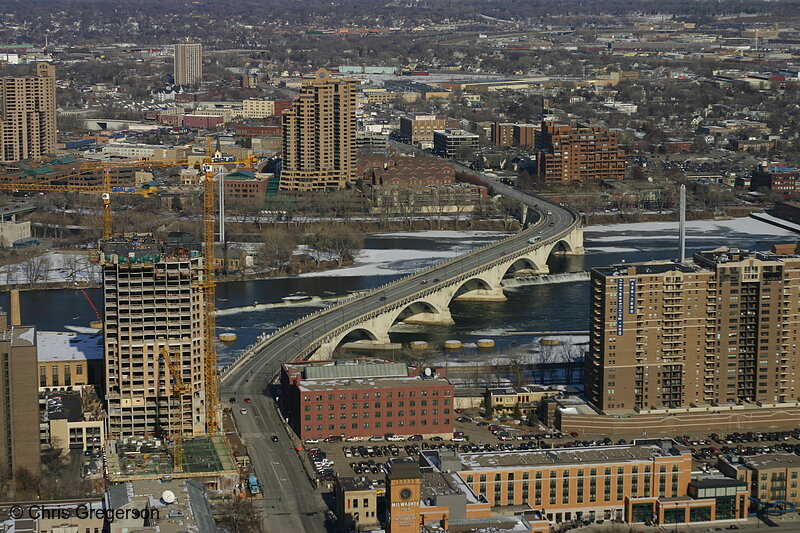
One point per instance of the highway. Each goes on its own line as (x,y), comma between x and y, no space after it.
(289,501)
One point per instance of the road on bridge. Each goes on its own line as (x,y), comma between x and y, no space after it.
(276,463)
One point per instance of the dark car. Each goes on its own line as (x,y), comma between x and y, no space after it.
(233,400)
(274,438)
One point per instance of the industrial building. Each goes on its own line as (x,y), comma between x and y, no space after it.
(365,397)
(153,316)
(319,130)
(28,119)
(718,331)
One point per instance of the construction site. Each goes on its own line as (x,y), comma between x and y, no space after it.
(136,458)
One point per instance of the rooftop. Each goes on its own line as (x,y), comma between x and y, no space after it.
(773,460)
(69,346)
(355,483)
(570,456)
(378,381)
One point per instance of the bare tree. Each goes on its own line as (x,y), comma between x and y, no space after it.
(240,515)
(36,268)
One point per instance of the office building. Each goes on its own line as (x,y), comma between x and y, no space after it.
(188,65)
(720,330)
(418,129)
(319,149)
(781,180)
(649,480)
(455,144)
(579,153)
(365,397)
(28,115)
(19,395)
(153,304)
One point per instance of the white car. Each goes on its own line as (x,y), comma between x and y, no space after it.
(394,438)
(354,439)
(243,410)
(312,441)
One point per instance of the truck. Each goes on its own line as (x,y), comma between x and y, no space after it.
(254,485)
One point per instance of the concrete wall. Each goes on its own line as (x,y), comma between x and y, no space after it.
(693,423)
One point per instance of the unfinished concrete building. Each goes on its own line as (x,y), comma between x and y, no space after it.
(153,316)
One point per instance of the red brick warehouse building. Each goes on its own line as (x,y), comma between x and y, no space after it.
(365,397)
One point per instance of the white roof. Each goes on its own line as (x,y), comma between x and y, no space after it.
(69,346)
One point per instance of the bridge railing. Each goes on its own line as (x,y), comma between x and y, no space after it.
(265,339)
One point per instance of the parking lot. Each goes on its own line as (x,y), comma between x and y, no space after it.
(367,457)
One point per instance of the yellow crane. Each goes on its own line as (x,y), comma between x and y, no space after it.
(177,390)
(208,285)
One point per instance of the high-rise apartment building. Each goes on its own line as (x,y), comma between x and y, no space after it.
(188,66)
(153,301)
(28,115)
(19,394)
(579,154)
(720,330)
(319,150)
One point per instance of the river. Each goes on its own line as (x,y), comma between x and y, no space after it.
(558,302)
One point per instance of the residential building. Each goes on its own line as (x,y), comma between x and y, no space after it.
(455,144)
(525,135)
(502,133)
(188,66)
(319,132)
(365,397)
(258,108)
(69,359)
(356,504)
(579,154)
(715,331)
(648,480)
(770,477)
(153,302)
(19,397)
(28,119)
(418,129)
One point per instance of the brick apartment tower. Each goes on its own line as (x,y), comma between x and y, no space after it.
(188,64)
(720,330)
(153,298)
(319,131)
(19,394)
(579,154)
(28,115)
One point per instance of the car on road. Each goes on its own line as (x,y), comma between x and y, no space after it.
(437,439)
(423,282)
(354,439)
(415,437)
(376,438)
(312,441)
(382,298)
(248,400)
(233,400)
(274,438)
(243,411)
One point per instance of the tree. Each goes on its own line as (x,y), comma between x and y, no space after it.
(239,515)
(36,268)
(278,245)
(346,241)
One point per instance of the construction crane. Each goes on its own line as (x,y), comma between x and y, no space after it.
(177,390)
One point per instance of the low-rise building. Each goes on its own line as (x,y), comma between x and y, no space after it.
(356,503)
(770,477)
(781,180)
(365,397)
(69,359)
(455,143)
(516,400)
(418,129)
(72,421)
(258,108)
